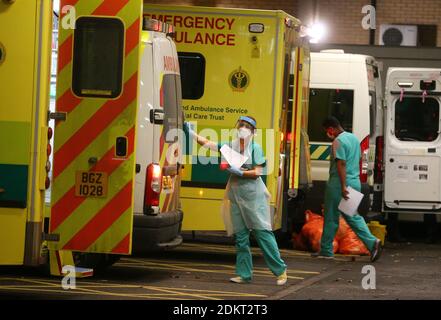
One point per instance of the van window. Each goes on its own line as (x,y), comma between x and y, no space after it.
(172,107)
(416,120)
(192,66)
(98,57)
(329,102)
(372,111)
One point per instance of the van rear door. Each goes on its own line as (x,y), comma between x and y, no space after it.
(94,156)
(413,140)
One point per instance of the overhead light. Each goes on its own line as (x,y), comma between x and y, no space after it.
(316,32)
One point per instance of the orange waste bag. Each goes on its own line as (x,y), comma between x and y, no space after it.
(310,236)
(348,242)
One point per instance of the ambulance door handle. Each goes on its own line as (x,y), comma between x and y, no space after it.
(121,147)
(157,116)
(137,168)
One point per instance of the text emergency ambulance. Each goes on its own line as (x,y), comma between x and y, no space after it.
(347,86)
(116,172)
(412,150)
(238,62)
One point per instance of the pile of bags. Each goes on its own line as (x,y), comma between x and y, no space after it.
(345,241)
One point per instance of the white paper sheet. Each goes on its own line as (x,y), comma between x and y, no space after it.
(350,206)
(233,158)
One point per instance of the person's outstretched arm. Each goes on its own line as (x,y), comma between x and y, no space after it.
(199,139)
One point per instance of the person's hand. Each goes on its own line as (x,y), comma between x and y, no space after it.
(344,193)
(236,171)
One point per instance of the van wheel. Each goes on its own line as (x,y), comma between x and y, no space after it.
(99,262)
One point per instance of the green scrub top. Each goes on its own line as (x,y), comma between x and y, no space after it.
(345,147)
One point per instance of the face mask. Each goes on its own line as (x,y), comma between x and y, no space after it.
(243,133)
(330,135)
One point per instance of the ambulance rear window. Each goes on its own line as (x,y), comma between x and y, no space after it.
(417,120)
(329,102)
(98,57)
(192,67)
(172,107)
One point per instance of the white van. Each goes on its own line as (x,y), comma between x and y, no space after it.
(412,159)
(157,213)
(347,86)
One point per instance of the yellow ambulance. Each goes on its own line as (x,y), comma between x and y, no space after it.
(237,62)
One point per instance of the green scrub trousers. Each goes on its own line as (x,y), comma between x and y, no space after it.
(332,216)
(268,245)
(250,212)
(345,147)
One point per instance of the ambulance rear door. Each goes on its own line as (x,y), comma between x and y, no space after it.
(94,158)
(413,140)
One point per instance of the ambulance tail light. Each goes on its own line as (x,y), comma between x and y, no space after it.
(152,24)
(364,161)
(379,153)
(152,185)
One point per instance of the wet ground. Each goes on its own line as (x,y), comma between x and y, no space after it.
(200,270)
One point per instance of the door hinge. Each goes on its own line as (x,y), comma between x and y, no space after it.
(59,116)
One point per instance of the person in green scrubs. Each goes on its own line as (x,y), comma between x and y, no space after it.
(249,205)
(344,172)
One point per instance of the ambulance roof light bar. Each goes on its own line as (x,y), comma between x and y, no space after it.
(158,26)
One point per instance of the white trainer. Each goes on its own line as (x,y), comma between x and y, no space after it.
(282,279)
(238,280)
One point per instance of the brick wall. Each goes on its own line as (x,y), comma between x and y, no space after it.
(342,18)
(410,12)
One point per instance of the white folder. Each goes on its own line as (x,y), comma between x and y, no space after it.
(234,158)
(350,206)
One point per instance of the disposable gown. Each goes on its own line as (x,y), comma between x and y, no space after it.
(246,201)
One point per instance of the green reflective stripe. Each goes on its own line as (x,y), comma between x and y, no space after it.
(320,151)
(206,171)
(14,185)
(15,142)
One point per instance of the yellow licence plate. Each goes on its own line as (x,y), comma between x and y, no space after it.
(91,184)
